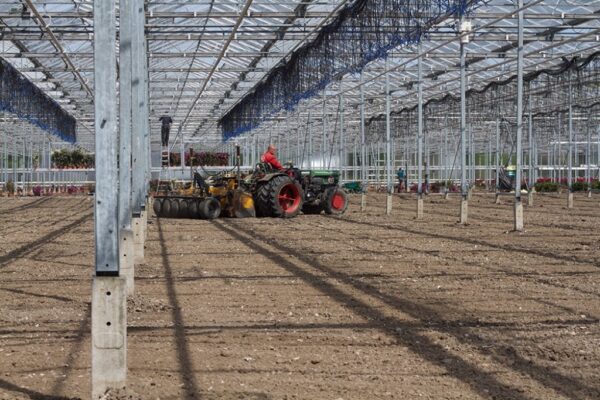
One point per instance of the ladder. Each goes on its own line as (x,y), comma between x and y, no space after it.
(164,179)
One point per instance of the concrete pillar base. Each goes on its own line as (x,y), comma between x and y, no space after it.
(497,199)
(570,200)
(420,207)
(109,334)
(530,199)
(127,259)
(144,220)
(589,194)
(518,215)
(447,196)
(464,211)
(138,242)
(470,194)
(388,206)
(363,202)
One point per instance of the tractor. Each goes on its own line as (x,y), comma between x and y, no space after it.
(285,193)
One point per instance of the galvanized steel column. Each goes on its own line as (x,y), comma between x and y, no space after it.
(518,216)
(105,105)
(125,111)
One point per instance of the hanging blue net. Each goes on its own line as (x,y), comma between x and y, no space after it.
(364,31)
(29,103)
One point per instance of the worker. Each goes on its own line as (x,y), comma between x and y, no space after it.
(165,129)
(270,158)
(401,177)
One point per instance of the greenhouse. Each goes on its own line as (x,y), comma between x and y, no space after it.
(299,199)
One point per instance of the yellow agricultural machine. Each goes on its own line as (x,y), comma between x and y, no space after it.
(205,199)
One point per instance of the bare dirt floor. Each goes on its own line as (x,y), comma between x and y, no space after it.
(364,306)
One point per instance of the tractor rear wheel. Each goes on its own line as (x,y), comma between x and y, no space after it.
(280,197)
(209,208)
(336,201)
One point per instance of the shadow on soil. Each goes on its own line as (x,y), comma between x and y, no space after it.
(38,243)
(6,385)
(190,385)
(484,383)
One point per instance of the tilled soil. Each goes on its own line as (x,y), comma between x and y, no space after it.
(364,306)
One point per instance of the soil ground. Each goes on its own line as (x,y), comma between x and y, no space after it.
(364,306)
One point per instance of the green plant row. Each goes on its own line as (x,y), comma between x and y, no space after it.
(77,158)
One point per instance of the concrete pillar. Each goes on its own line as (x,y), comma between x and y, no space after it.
(138,242)
(470,194)
(570,200)
(589,195)
(464,211)
(388,207)
(518,215)
(127,259)
(109,334)
(363,202)
(530,198)
(447,196)
(419,207)
(498,199)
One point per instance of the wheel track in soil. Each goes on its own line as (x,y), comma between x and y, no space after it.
(507,270)
(554,381)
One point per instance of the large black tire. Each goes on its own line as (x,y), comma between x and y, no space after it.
(157,207)
(174,213)
(209,208)
(280,197)
(193,209)
(336,201)
(183,208)
(165,211)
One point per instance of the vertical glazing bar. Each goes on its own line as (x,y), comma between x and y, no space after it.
(105,93)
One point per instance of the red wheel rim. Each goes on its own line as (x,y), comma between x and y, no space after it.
(289,198)
(338,201)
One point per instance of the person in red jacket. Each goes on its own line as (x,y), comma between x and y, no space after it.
(270,158)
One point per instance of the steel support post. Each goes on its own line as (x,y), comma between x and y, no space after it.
(530,153)
(109,365)
(139,123)
(363,148)
(570,155)
(388,148)
(420,134)
(324,129)
(588,156)
(464,207)
(342,152)
(310,142)
(126,236)
(518,206)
